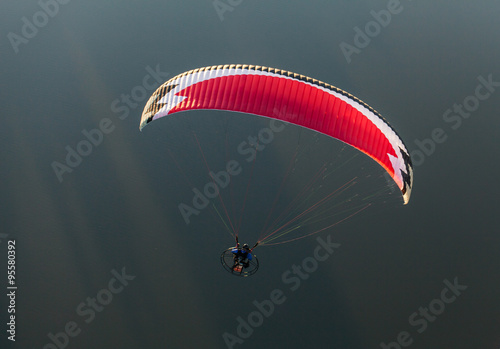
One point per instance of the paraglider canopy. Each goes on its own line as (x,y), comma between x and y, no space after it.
(288,97)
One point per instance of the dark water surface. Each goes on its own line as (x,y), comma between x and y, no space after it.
(104,258)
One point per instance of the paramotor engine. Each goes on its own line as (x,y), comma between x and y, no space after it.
(232,264)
